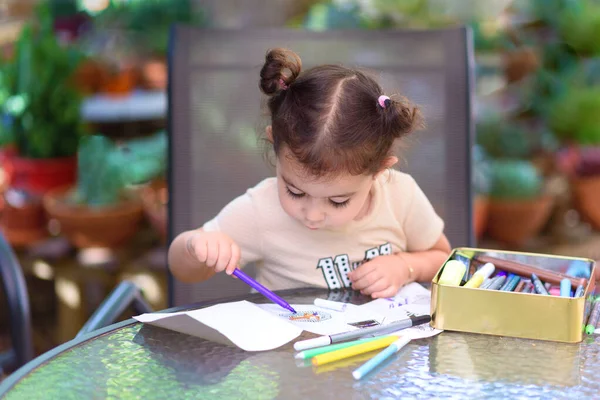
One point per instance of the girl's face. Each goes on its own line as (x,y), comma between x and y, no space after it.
(321,203)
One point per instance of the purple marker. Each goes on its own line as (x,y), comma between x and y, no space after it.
(261,289)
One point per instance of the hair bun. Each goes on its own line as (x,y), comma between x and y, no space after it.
(401,117)
(280,70)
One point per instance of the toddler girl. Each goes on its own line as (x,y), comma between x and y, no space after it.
(337,215)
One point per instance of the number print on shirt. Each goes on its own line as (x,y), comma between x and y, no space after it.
(335,269)
(326,266)
(342,264)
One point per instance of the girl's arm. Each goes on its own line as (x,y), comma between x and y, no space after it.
(185,265)
(425,264)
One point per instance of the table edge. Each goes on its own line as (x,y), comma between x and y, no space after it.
(11,380)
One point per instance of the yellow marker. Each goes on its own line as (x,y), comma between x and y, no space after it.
(345,363)
(453,273)
(480,275)
(353,350)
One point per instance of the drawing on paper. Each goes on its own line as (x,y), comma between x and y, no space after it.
(307,316)
(364,324)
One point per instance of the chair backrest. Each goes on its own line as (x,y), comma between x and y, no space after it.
(17,299)
(215,108)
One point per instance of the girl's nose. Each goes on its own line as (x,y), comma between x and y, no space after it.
(314,214)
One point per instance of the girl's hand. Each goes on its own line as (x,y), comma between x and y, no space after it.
(380,277)
(214,249)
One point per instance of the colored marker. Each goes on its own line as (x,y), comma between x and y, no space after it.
(538,285)
(241,275)
(480,275)
(363,332)
(511,283)
(488,282)
(594,316)
(580,290)
(303,355)
(565,288)
(520,286)
(355,350)
(331,305)
(579,269)
(380,357)
(498,283)
(554,290)
(453,273)
(525,270)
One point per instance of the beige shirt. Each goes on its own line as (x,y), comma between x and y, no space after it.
(289,255)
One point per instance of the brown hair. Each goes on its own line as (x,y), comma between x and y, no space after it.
(329,116)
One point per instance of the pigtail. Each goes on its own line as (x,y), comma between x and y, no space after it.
(280,70)
(400,117)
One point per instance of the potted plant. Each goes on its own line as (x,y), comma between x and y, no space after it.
(519,208)
(149,22)
(576,120)
(40,125)
(481,188)
(102,210)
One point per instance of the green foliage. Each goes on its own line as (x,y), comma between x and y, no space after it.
(106,168)
(151,19)
(514,179)
(480,178)
(500,138)
(488,40)
(575,116)
(321,17)
(579,26)
(40,104)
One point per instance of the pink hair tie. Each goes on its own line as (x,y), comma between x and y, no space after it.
(282,84)
(383,101)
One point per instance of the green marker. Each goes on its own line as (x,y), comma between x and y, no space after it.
(594,316)
(303,355)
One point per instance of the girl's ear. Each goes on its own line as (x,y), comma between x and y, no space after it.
(388,163)
(269,133)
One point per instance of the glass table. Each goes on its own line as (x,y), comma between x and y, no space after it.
(130,360)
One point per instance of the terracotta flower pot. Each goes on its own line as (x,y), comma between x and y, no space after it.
(154,74)
(586,193)
(481,207)
(23,220)
(119,83)
(94,227)
(519,63)
(39,175)
(155,201)
(514,222)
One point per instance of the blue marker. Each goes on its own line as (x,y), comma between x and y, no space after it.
(565,288)
(579,269)
(511,283)
(380,357)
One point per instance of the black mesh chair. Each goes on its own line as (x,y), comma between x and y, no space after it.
(215,109)
(17,300)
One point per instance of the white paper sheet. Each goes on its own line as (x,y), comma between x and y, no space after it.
(412,299)
(311,318)
(242,324)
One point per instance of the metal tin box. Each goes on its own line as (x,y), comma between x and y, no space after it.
(523,315)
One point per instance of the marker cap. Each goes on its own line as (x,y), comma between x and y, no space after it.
(487,270)
(312,343)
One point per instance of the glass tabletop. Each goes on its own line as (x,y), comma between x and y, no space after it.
(139,361)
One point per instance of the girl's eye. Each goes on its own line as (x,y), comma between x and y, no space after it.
(339,204)
(294,195)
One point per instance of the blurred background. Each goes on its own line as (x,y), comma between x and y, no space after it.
(83,136)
